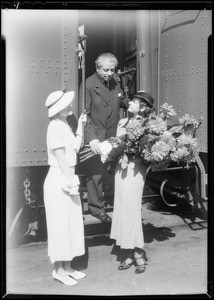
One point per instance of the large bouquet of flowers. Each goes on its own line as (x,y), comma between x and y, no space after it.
(123,146)
(155,140)
(170,143)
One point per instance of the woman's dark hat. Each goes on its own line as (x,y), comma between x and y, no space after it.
(146,97)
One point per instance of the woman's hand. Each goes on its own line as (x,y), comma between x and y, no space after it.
(81,122)
(70,189)
(83,118)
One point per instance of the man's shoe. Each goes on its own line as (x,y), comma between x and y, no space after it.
(103,217)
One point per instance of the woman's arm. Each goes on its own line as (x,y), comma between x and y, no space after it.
(63,164)
(80,129)
(79,141)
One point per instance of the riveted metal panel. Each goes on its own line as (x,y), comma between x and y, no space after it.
(40,59)
(183,63)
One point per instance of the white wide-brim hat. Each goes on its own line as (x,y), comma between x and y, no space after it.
(57,101)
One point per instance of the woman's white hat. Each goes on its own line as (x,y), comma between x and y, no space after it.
(57,101)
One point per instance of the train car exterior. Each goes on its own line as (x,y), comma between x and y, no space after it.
(168,51)
(40,58)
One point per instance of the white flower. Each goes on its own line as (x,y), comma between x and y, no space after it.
(159,150)
(105,149)
(167,110)
(187,120)
(179,153)
(169,139)
(166,135)
(146,154)
(157,125)
(184,139)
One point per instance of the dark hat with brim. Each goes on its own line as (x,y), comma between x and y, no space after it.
(145,97)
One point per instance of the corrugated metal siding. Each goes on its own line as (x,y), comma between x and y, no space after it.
(40,59)
(183,64)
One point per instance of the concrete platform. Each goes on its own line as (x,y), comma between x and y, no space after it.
(176,246)
(177,265)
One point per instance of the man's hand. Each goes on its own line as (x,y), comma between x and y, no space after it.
(94,146)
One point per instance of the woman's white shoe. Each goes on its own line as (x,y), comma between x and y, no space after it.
(65,280)
(75,274)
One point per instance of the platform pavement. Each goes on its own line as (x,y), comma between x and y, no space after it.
(177,262)
(154,215)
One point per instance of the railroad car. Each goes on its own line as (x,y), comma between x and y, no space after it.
(164,52)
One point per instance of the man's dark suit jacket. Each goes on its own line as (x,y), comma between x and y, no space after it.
(102,107)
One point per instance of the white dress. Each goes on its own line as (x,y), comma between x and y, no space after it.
(126,226)
(64,219)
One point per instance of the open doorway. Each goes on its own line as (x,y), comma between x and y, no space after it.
(111,31)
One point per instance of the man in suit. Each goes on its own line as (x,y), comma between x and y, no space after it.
(103,99)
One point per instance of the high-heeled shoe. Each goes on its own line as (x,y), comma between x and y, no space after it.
(76,274)
(140,268)
(65,280)
(125,266)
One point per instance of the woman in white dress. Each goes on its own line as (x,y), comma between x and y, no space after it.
(126,226)
(63,208)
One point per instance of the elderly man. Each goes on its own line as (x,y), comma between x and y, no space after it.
(103,101)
